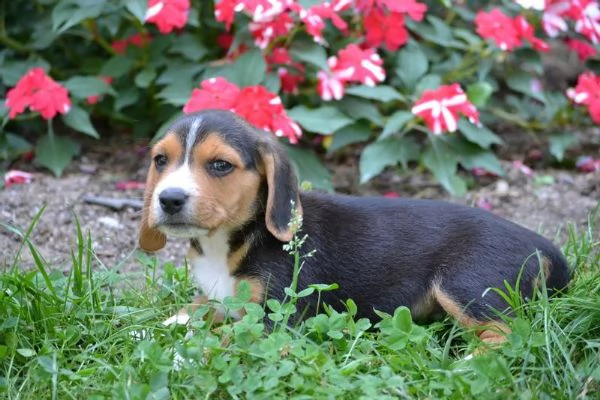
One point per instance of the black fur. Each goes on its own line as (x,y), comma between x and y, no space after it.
(383,253)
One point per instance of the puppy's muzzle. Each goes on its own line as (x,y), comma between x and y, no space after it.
(172,200)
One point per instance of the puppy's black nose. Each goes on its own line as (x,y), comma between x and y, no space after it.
(172,200)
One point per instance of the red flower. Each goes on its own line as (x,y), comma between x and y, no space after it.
(290,79)
(330,86)
(168,14)
(256,104)
(314,17)
(355,64)
(385,28)
(414,9)
(265,32)
(225,12)
(586,14)
(40,92)
(588,164)
(587,93)
(215,93)
(553,20)
(583,50)
(499,27)
(284,126)
(95,98)
(225,40)
(440,108)
(16,177)
(265,10)
(137,40)
(526,32)
(259,10)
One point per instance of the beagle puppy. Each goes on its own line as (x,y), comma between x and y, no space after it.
(229,188)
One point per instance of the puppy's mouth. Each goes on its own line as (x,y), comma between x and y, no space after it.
(182,229)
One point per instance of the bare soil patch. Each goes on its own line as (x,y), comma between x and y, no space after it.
(546,204)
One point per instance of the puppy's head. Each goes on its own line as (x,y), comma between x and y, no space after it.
(206,174)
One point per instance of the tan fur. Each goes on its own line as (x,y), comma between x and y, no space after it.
(424,307)
(490,332)
(235,258)
(225,202)
(270,162)
(150,238)
(546,267)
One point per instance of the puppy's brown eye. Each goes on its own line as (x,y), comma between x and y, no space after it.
(220,167)
(160,161)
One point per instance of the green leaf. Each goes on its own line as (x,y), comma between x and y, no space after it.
(137,8)
(428,82)
(380,93)
(311,53)
(55,153)
(84,86)
(380,154)
(360,108)
(250,68)
(357,132)
(395,123)
(481,158)
(560,143)
(177,70)
(68,13)
(189,47)
(479,93)
(79,119)
(176,94)
(12,146)
(402,320)
(145,77)
(472,156)
(162,130)
(478,134)
(272,82)
(442,162)
(48,364)
(117,66)
(127,97)
(309,168)
(521,81)
(26,352)
(12,71)
(433,29)
(324,120)
(411,64)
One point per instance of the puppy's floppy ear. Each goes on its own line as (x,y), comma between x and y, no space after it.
(282,189)
(151,239)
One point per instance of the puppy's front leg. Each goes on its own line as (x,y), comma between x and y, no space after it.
(183,316)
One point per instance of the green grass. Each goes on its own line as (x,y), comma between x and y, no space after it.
(97,334)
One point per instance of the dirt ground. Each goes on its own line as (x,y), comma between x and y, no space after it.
(547,202)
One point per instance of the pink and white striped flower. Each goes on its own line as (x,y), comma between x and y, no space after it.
(440,108)
(330,87)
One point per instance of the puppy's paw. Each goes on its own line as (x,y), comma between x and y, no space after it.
(181,318)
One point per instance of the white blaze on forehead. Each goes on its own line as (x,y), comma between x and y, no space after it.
(181,178)
(191,138)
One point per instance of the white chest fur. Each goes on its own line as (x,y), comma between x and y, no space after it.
(210,269)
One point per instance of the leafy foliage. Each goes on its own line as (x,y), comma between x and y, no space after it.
(97,333)
(129,65)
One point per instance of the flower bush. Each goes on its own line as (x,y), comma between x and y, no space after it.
(415,83)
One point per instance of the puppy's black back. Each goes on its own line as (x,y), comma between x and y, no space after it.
(385,253)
